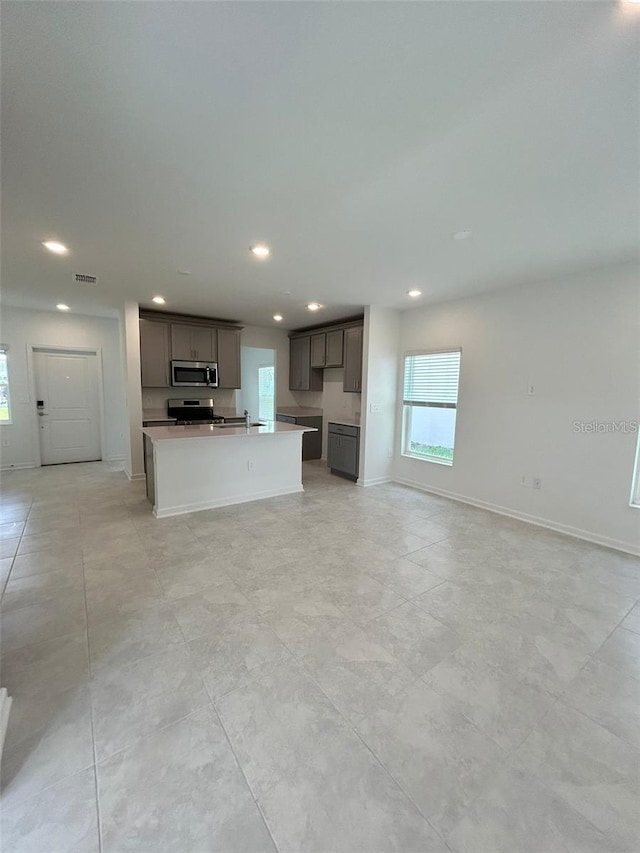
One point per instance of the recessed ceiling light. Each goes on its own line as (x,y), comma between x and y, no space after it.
(314,306)
(159,300)
(62,307)
(277,318)
(461,235)
(55,247)
(414,293)
(260,250)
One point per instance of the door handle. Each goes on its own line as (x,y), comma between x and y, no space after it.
(43,414)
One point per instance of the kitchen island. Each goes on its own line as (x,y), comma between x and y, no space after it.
(196,467)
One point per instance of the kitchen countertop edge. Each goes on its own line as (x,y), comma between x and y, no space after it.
(186,433)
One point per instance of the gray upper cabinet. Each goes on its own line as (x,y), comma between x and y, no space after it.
(181,343)
(334,348)
(205,343)
(154,354)
(193,343)
(302,377)
(228,355)
(353,359)
(318,348)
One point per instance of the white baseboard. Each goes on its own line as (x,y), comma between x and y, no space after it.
(568,530)
(216,504)
(18,466)
(131,476)
(375,481)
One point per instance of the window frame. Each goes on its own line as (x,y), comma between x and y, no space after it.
(4,351)
(634,499)
(406,408)
(273,368)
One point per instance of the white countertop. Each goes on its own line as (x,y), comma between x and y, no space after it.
(299,411)
(346,421)
(156,415)
(164,433)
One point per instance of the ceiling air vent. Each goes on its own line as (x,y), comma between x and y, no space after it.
(83,278)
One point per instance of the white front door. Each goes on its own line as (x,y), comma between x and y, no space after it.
(68,409)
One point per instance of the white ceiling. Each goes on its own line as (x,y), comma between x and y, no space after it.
(354,138)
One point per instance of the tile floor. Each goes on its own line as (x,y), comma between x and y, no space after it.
(343,671)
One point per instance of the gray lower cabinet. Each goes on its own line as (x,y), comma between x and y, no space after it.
(228,358)
(154,354)
(353,359)
(343,450)
(311,441)
(149,470)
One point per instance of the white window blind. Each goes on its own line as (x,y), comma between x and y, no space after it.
(431,379)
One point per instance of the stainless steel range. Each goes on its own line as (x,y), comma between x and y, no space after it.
(194,412)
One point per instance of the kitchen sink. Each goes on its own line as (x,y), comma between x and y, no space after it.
(239,424)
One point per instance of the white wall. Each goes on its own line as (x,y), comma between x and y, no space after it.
(380,394)
(20,329)
(577,340)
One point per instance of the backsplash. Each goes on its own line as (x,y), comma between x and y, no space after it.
(156,398)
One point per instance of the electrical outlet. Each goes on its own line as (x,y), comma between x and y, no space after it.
(537,483)
(531,389)
(250,464)
(375,408)
(524,481)
(5,442)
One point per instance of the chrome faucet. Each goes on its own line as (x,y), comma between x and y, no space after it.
(247,419)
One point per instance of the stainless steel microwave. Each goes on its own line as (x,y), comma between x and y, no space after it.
(194,374)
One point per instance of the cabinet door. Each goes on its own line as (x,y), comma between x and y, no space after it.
(228,358)
(181,343)
(154,354)
(318,345)
(335,344)
(333,451)
(353,359)
(204,343)
(349,455)
(298,356)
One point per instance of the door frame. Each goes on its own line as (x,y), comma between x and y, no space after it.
(55,348)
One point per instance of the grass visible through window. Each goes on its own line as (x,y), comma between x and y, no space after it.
(432,450)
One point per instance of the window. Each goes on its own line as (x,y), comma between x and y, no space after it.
(266,396)
(5,406)
(429,405)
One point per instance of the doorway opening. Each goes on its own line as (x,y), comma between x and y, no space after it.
(258,393)
(67,386)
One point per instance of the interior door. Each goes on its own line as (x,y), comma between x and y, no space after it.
(68,406)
